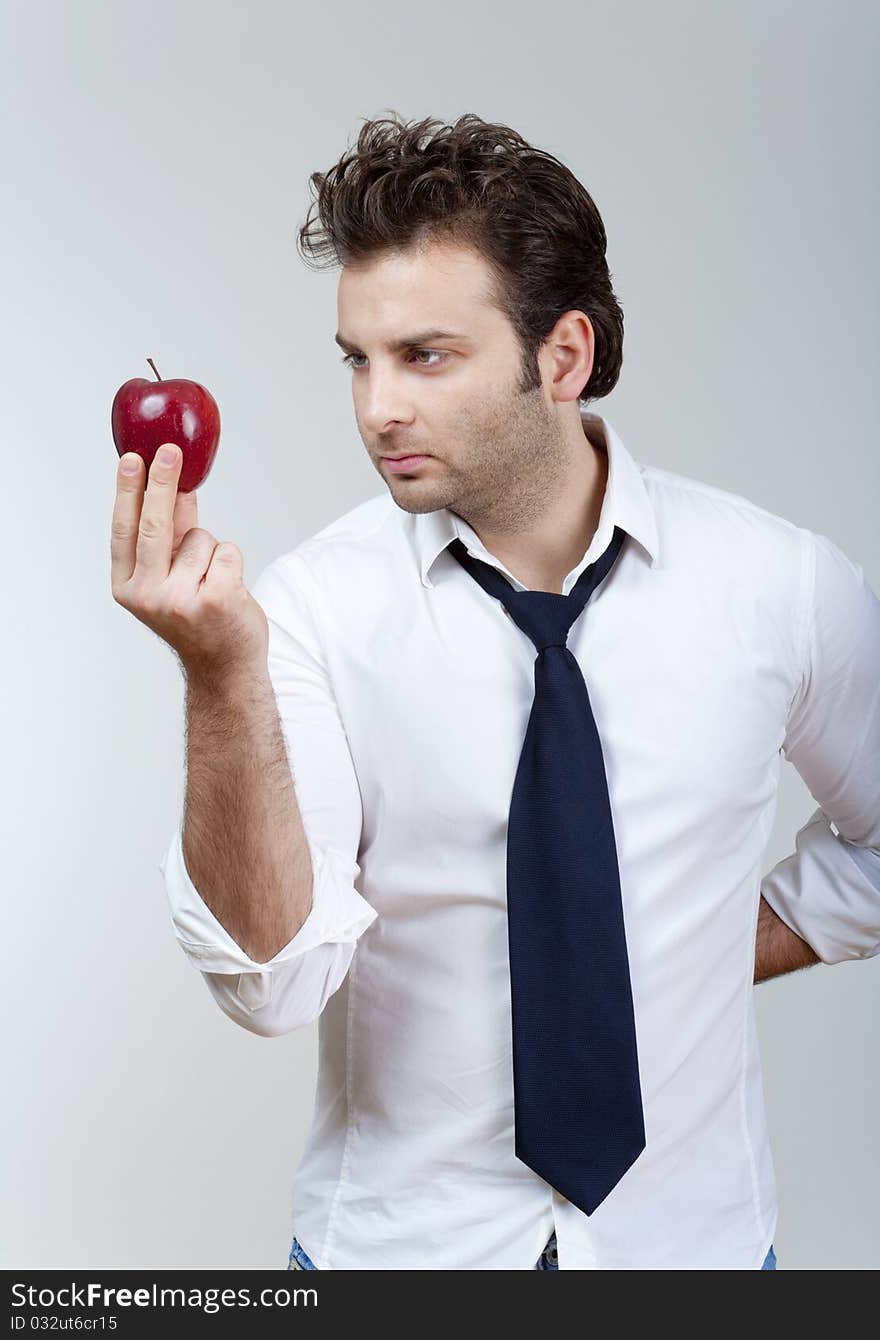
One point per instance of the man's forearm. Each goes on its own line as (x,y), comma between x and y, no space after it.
(777,948)
(243,840)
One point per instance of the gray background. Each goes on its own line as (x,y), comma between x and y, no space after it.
(155,169)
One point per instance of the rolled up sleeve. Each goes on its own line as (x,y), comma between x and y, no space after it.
(828,889)
(292,988)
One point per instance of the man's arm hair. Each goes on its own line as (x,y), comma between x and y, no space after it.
(778,949)
(243,838)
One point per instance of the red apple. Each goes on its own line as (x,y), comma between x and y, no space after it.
(145,414)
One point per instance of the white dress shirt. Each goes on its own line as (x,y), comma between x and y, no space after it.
(724,638)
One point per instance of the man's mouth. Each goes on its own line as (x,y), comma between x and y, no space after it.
(402,463)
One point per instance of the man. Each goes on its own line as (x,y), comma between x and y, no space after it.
(557,1068)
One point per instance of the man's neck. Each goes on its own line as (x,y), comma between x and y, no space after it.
(543,558)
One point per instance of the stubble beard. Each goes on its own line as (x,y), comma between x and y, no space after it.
(510,459)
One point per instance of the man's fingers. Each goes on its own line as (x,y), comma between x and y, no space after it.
(142,528)
(186,516)
(156,529)
(126,518)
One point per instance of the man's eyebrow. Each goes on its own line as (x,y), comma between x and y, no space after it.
(405,342)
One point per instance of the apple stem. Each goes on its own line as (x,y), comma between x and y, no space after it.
(155,369)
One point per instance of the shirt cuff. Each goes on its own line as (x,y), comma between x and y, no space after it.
(828,892)
(338,914)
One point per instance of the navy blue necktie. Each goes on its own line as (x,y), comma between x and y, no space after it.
(578,1113)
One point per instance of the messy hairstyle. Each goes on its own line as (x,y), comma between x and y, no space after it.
(479,184)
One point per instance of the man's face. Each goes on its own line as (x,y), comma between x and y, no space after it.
(492,448)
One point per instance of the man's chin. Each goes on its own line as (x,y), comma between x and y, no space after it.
(415,500)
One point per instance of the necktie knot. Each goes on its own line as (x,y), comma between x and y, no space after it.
(543,615)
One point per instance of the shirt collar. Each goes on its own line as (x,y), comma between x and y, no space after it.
(626,504)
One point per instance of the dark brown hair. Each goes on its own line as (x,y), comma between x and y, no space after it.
(480,184)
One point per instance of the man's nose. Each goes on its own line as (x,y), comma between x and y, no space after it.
(383,401)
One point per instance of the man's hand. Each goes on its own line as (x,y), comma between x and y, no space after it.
(777,948)
(176,578)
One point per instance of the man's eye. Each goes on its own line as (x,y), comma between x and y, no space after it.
(349,359)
